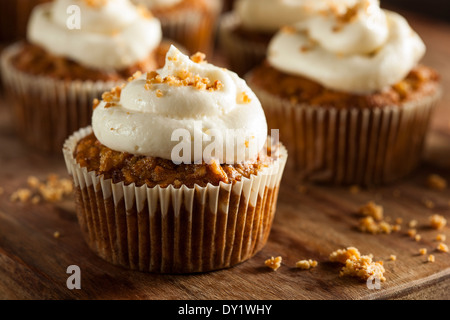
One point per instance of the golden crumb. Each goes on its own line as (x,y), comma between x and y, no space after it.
(418,237)
(412,233)
(95,103)
(183,78)
(396,228)
(273,263)
(412,223)
(364,268)
(423,251)
(306,264)
(159,93)
(398,221)
(442,247)
(198,57)
(436,182)
(343,255)
(393,257)
(437,221)
(441,237)
(288,29)
(369,225)
(431,258)
(135,75)
(243,98)
(56,234)
(372,210)
(35,200)
(21,195)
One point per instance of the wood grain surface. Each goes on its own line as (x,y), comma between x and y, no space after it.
(308,225)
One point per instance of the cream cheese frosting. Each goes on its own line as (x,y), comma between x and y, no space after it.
(112,35)
(270,15)
(360,50)
(210,105)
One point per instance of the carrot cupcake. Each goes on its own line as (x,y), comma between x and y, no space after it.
(245,32)
(76,50)
(191,23)
(177,173)
(348,94)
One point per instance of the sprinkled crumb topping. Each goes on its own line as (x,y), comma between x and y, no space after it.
(441,237)
(273,263)
(95,3)
(183,78)
(393,257)
(243,98)
(199,57)
(423,251)
(306,264)
(431,258)
(110,97)
(341,255)
(437,221)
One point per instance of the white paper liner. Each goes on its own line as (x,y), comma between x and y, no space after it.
(168,230)
(46,111)
(241,55)
(350,146)
(194,29)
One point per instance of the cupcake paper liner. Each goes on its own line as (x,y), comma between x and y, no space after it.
(45,110)
(353,145)
(193,29)
(169,230)
(242,55)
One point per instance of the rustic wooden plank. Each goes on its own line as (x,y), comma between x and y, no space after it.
(307,225)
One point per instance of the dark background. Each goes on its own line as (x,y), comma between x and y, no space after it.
(439,9)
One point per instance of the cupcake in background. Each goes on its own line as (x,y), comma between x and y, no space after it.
(146,204)
(76,50)
(348,94)
(192,23)
(245,32)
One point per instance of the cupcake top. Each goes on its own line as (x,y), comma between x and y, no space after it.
(188,100)
(359,48)
(268,16)
(98,34)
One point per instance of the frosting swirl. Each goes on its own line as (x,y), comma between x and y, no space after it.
(112,35)
(360,50)
(269,15)
(208,103)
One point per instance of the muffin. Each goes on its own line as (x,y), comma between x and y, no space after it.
(348,94)
(54,76)
(245,32)
(177,173)
(192,23)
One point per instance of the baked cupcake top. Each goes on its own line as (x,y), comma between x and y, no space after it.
(354,47)
(268,16)
(186,99)
(110,35)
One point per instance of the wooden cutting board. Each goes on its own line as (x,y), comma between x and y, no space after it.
(310,223)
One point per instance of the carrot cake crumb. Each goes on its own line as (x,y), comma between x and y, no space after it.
(56,234)
(343,255)
(441,237)
(412,233)
(363,267)
(423,251)
(442,247)
(412,223)
(393,257)
(372,210)
(21,195)
(436,182)
(418,237)
(431,258)
(396,228)
(398,221)
(369,225)
(437,221)
(306,264)
(273,263)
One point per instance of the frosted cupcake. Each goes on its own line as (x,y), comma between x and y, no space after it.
(76,50)
(346,90)
(177,174)
(192,23)
(245,32)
